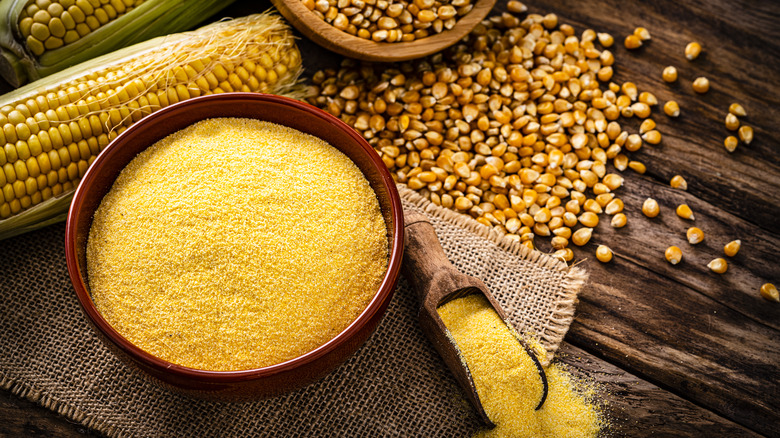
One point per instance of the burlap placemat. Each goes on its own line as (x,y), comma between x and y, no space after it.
(395,385)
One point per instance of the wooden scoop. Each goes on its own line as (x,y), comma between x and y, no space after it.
(437,281)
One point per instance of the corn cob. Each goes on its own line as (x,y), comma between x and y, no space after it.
(53,129)
(41,37)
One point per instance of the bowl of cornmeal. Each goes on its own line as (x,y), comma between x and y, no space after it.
(235,246)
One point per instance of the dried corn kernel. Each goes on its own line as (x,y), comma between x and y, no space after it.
(619,220)
(642,33)
(730,143)
(589,219)
(692,50)
(678,182)
(732,122)
(769,292)
(582,236)
(746,134)
(516,7)
(701,85)
(673,255)
(669,74)
(650,208)
(737,110)
(605,39)
(652,136)
(732,248)
(718,266)
(685,212)
(615,206)
(695,235)
(604,254)
(565,254)
(647,125)
(632,42)
(672,109)
(637,166)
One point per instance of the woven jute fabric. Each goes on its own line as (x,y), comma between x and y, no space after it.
(395,385)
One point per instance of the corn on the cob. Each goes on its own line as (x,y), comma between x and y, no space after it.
(53,129)
(41,37)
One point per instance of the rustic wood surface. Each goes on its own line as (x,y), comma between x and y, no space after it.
(674,350)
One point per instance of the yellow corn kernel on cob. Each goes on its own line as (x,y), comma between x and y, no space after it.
(41,37)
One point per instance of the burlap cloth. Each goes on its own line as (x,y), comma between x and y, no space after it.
(395,385)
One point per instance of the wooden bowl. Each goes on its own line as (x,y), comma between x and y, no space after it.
(343,43)
(246,384)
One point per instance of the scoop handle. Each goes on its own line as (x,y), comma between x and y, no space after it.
(427,268)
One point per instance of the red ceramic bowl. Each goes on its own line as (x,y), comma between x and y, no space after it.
(246,384)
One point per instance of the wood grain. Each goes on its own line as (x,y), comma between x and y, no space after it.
(636,408)
(346,44)
(679,339)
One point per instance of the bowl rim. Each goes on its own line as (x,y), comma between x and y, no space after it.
(327,36)
(376,304)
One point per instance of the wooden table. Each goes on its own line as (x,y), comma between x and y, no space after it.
(677,350)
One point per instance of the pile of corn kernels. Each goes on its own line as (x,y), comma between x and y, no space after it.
(512,127)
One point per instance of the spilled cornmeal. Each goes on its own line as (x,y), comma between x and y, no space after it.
(507,380)
(235,244)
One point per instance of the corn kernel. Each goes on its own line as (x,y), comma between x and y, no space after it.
(769,292)
(589,219)
(692,50)
(732,122)
(737,110)
(646,126)
(652,136)
(632,42)
(605,39)
(516,7)
(701,85)
(695,235)
(718,266)
(673,255)
(559,242)
(619,220)
(672,109)
(669,74)
(678,182)
(650,208)
(582,236)
(685,212)
(565,254)
(604,254)
(732,248)
(637,166)
(730,143)
(642,33)
(615,206)
(746,134)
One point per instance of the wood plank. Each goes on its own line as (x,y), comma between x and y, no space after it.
(636,408)
(673,336)
(22,418)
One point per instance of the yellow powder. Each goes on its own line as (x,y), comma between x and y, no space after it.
(235,244)
(507,380)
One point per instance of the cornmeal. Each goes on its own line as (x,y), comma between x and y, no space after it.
(235,244)
(508,382)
